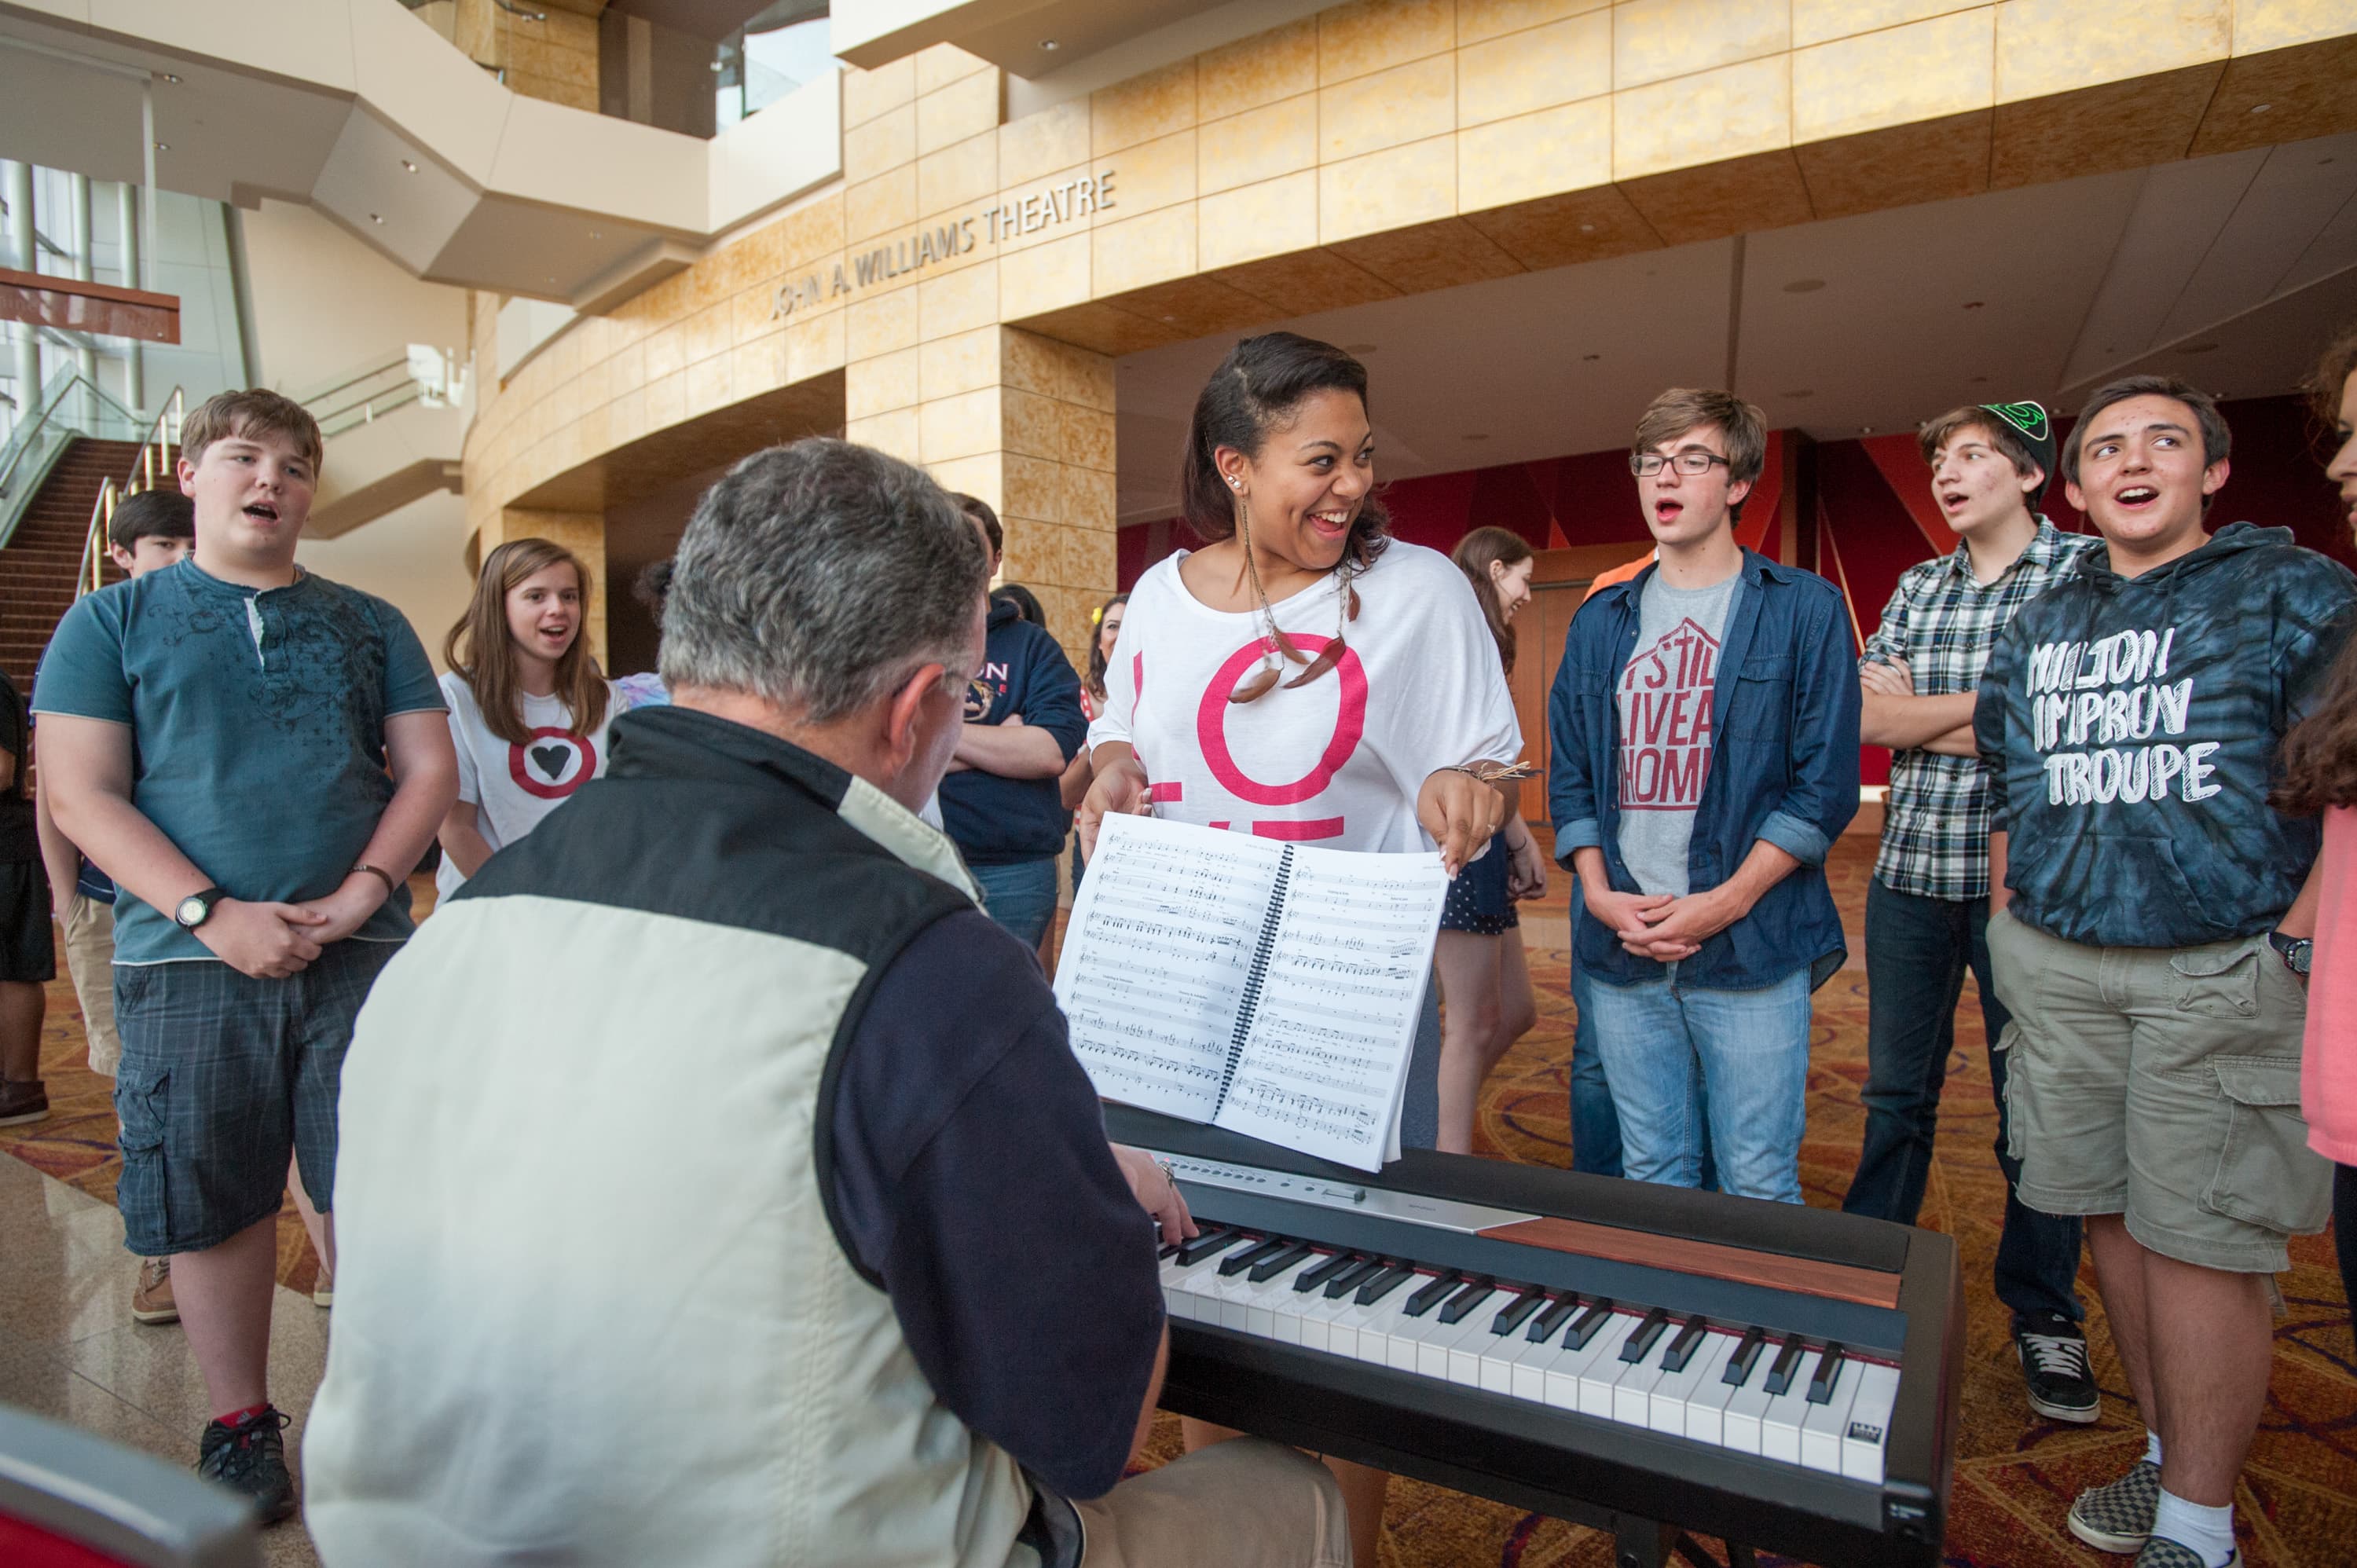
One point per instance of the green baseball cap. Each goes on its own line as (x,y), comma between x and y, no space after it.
(2031,422)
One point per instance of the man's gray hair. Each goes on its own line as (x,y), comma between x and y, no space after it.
(820,576)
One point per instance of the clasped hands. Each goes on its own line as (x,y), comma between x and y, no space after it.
(270,941)
(1659,927)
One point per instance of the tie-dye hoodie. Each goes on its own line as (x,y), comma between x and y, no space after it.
(2131,727)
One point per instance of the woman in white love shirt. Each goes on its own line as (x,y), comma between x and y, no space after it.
(1305,676)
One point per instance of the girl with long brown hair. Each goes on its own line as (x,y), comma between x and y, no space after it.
(2320,769)
(528,704)
(1485,983)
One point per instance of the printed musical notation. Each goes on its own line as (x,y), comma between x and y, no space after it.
(1272,989)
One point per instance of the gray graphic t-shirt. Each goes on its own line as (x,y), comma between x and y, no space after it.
(1664,696)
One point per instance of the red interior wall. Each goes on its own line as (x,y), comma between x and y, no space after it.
(1875,514)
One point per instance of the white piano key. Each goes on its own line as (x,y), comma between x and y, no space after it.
(1498,1358)
(1530,1378)
(1563,1378)
(1342,1328)
(1867,1435)
(1318,1321)
(1668,1410)
(1433,1351)
(1262,1301)
(1747,1405)
(1823,1425)
(1382,1322)
(1465,1351)
(1632,1396)
(1780,1427)
(1406,1336)
(1603,1369)
(1705,1410)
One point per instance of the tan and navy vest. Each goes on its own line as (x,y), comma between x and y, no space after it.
(592,1307)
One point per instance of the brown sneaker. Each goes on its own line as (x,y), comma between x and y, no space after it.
(152,1301)
(323,1288)
(21,1103)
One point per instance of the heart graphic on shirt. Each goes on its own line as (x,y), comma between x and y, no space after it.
(551,763)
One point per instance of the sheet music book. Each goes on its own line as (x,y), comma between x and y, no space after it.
(1269,988)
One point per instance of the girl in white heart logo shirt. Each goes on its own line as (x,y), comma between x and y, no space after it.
(528,706)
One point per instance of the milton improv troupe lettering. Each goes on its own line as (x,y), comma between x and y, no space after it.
(1042,209)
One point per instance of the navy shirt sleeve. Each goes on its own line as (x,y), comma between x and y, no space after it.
(971,1174)
(1051,696)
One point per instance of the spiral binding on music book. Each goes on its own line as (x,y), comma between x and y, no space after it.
(1250,1002)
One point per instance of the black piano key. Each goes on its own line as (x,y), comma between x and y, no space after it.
(1442,1286)
(1683,1348)
(1383,1283)
(1821,1381)
(1512,1316)
(1788,1361)
(1211,1241)
(1238,1264)
(1475,1293)
(1640,1339)
(1747,1353)
(1352,1278)
(1552,1318)
(1584,1327)
(1269,1268)
(1167,1251)
(1312,1278)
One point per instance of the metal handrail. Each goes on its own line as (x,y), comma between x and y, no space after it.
(21,479)
(155,455)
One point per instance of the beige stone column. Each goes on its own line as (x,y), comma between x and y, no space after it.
(583,533)
(1026,423)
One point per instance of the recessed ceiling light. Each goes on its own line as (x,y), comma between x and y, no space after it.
(551,277)
(1587,228)
(2261,108)
(376,218)
(1802,392)
(2199,348)
(1050,45)
(1976,381)
(1590,358)
(1477,436)
(1805,285)
(1865,430)
(408,166)
(1975,304)
(163,146)
(596,234)
(170,78)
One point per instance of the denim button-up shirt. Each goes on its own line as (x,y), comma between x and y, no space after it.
(1783,768)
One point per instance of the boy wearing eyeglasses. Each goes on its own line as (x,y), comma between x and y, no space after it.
(1705,725)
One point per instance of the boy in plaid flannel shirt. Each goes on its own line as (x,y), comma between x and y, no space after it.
(1927,908)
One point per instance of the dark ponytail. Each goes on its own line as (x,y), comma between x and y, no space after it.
(1254,391)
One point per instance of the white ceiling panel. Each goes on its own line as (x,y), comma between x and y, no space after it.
(2180,209)
(2294,195)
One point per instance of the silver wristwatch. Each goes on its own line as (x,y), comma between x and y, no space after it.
(2297,952)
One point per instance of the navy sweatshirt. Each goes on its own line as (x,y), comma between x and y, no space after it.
(2131,726)
(999,822)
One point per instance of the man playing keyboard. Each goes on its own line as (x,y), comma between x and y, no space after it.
(852,1275)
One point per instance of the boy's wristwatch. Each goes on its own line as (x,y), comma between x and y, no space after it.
(2296,951)
(198,907)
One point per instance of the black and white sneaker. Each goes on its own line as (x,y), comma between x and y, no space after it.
(250,1459)
(2053,1352)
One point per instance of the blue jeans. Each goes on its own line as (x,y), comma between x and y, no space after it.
(1595,1125)
(1020,896)
(1662,1044)
(1917,951)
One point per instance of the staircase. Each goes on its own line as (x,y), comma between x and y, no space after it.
(37,569)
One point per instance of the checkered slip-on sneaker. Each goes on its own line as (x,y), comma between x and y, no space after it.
(2117,1517)
(2161,1553)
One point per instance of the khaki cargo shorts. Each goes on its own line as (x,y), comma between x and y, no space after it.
(89,955)
(2163,1085)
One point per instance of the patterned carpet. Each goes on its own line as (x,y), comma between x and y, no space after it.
(2014,1474)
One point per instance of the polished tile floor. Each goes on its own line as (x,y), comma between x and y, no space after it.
(68,1349)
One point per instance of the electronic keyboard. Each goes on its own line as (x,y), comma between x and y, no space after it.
(1648,1359)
